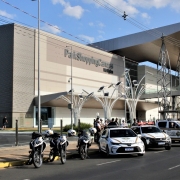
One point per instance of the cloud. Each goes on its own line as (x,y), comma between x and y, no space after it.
(62,2)
(4,13)
(176,5)
(150,3)
(96,24)
(74,11)
(146,17)
(51,29)
(87,38)
(120,6)
(101,32)
(91,24)
(100,24)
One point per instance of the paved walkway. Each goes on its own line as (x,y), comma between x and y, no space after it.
(18,155)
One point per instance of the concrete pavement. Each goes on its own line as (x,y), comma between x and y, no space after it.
(18,155)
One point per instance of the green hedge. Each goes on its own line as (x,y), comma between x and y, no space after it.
(82,126)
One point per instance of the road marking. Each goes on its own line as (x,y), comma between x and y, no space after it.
(174,167)
(160,151)
(108,162)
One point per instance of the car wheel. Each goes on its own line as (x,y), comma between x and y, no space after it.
(107,151)
(99,149)
(167,147)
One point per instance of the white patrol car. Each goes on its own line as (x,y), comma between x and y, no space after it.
(170,127)
(153,137)
(114,141)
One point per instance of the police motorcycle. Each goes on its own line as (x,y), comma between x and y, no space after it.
(85,141)
(37,146)
(58,145)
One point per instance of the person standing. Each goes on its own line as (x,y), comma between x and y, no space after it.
(135,123)
(98,127)
(4,122)
(112,123)
(116,121)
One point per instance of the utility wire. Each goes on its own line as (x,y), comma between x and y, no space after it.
(153,32)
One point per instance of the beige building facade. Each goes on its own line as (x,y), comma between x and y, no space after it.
(91,69)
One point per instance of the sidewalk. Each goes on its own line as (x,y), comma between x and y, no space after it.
(18,155)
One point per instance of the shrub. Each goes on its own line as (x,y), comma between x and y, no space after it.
(82,126)
(67,127)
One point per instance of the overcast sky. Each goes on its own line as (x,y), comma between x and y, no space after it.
(88,21)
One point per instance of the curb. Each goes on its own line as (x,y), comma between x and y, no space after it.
(13,163)
(45,160)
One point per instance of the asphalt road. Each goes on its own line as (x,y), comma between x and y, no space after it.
(155,164)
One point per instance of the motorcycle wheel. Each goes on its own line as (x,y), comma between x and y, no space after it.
(30,159)
(83,151)
(37,159)
(63,155)
(51,156)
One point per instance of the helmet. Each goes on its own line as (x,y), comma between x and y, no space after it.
(49,132)
(92,130)
(71,132)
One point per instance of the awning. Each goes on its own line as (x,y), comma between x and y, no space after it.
(53,100)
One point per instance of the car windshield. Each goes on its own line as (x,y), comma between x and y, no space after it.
(122,133)
(178,123)
(150,130)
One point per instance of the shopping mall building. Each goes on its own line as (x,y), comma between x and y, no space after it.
(61,59)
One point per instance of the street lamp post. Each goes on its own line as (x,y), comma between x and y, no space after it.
(71,89)
(132,93)
(71,93)
(39,97)
(78,102)
(108,102)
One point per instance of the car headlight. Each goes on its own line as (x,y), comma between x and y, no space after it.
(113,143)
(140,142)
(168,138)
(149,139)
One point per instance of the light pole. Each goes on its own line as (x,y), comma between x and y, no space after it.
(71,89)
(78,102)
(132,93)
(39,96)
(108,102)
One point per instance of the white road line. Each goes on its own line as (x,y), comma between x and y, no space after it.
(107,162)
(174,167)
(160,151)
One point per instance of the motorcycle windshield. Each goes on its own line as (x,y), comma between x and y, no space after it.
(86,133)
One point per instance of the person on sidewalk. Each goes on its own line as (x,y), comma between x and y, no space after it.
(112,123)
(4,123)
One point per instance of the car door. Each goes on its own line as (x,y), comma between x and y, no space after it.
(103,139)
(163,125)
(173,130)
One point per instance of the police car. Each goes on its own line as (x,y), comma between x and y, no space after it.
(153,137)
(116,140)
(170,127)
